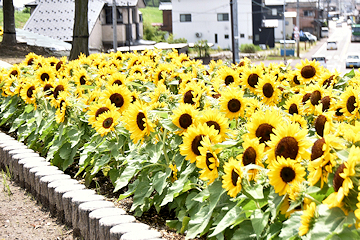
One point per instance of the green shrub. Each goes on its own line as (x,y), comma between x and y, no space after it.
(153,33)
(249,48)
(172,39)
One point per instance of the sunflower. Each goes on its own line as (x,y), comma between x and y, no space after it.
(293,105)
(231,180)
(106,122)
(58,86)
(296,118)
(96,109)
(1,31)
(30,59)
(184,116)
(228,76)
(117,78)
(250,77)
(161,72)
(45,73)
(14,71)
(263,124)
(63,104)
(119,95)
(328,79)
(283,173)
(232,103)
(29,90)
(308,71)
(208,161)
(214,118)
(252,106)
(316,95)
(81,77)
(174,172)
(350,103)
(11,86)
(192,140)
(288,141)
(319,123)
(191,94)
(267,89)
(137,121)
(336,108)
(253,153)
(307,219)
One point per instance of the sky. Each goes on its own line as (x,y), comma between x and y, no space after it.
(21,3)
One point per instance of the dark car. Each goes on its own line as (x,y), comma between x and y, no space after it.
(303,38)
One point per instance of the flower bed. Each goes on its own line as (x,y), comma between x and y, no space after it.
(235,151)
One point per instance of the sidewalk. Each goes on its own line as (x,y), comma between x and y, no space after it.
(4,64)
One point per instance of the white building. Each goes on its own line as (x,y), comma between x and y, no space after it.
(211,20)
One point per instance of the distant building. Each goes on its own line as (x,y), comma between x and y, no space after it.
(55,18)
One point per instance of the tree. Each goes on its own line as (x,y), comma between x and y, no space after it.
(9,36)
(80,43)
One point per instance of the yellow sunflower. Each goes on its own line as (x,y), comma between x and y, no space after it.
(319,122)
(350,102)
(29,90)
(161,72)
(14,71)
(267,89)
(58,86)
(284,173)
(208,161)
(106,122)
(214,118)
(228,76)
(250,77)
(328,79)
(192,94)
(174,172)
(308,71)
(184,116)
(231,180)
(119,95)
(96,109)
(81,77)
(192,140)
(288,141)
(30,59)
(307,219)
(293,105)
(137,121)
(232,103)
(63,105)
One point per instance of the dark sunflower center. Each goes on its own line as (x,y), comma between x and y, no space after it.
(58,65)
(338,181)
(234,105)
(208,163)
(82,80)
(320,124)
(338,112)
(327,82)
(315,97)
(215,124)
(62,103)
(196,143)
(140,121)
(326,103)
(350,104)
(287,147)
(101,111)
(14,73)
(160,76)
(234,177)
(47,88)
(229,79)
(188,97)
(316,150)
(263,132)
(306,97)
(293,109)
(249,156)
(185,120)
(253,79)
(30,91)
(268,90)
(118,82)
(296,81)
(308,71)
(57,90)
(108,122)
(287,174)
(117,99)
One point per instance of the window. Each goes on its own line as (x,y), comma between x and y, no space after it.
(223,17)
(242,35)
(226,36)
(216,38)
(108,16)
(185,17)
(133,13)
(309,13)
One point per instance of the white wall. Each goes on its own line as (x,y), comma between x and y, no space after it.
(204,20)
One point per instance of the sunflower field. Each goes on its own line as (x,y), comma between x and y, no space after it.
(240,151)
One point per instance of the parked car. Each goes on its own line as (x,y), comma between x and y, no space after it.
(320,59)
(331,45)
(338,24)
(325,32)
(352,60)
(311,37)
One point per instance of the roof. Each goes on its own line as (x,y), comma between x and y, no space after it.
(55,18)
(163,6)
(124,3)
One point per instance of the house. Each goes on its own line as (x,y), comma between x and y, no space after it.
(210,20)
(166,8)
(55,19)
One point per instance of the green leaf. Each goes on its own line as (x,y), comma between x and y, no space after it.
(255,192)
(169,125)
(125,177)
(245,231)
(100,163)
(259,221)
(291,226)
(160,180)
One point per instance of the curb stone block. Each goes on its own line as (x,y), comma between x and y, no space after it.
(84,211)
(141,235)
(13,162)
(117,231)
(40,171)
(43,186)
(96,215)
(106,223)
(16,163)
(26,171)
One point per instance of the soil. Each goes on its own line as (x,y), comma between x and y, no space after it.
(21,217)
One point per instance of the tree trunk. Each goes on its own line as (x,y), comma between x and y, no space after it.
(9,36)
(80,43)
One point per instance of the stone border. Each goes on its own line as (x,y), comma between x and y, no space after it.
(89,214)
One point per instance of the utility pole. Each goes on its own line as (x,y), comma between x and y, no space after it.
(114,25)
(298,26)
(234,31)
(284,33)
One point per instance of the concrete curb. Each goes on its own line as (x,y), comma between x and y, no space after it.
(88,213)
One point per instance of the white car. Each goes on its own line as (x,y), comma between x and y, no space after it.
(331,45)
(320,59)
(311,37)
(353,60)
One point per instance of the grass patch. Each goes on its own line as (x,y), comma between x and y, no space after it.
(152,15)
